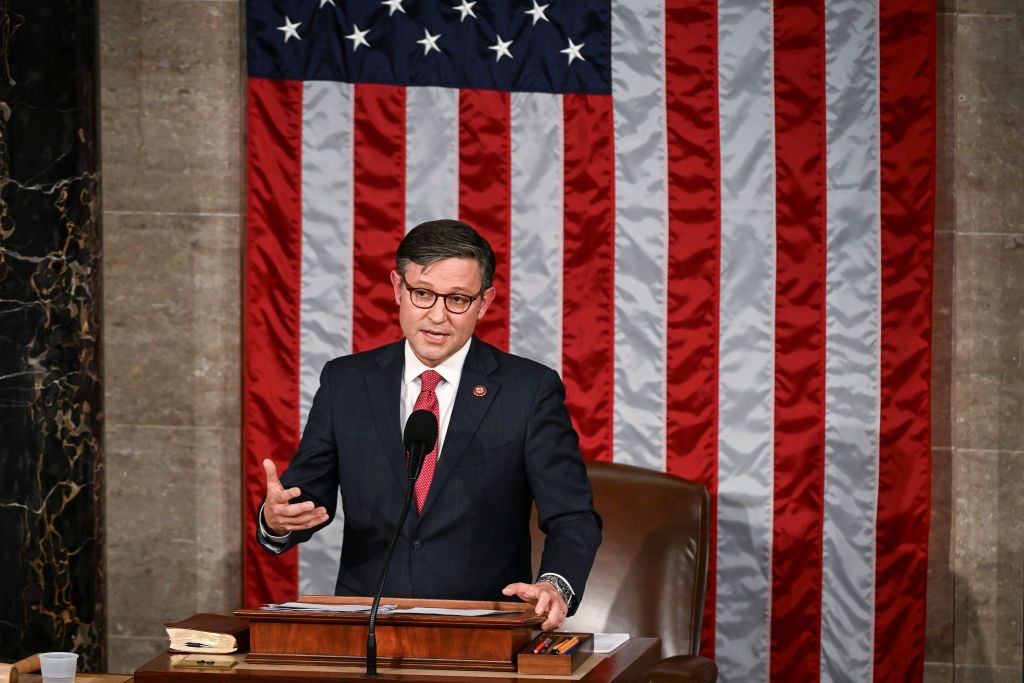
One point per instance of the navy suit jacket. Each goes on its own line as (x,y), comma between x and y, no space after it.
(503,449)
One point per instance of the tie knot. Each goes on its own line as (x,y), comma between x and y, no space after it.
(429,380)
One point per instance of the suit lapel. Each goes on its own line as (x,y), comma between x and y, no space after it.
(468,411)
(384,389)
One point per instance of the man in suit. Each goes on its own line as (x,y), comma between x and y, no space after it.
(505,439)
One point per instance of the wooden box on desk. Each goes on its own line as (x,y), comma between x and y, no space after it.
(555,664)
(487,643)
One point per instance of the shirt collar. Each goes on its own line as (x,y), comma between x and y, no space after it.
(450,369)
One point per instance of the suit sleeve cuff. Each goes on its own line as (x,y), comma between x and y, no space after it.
(267,536)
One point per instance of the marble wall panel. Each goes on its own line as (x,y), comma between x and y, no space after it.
(173,319)
(942,339)
(990,116)
(175,548)
(172,100)
(988,537)
(991,7)
(988,376)
(945,122)
(51,403)
(939,629)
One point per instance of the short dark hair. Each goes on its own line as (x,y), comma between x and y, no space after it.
(436,240)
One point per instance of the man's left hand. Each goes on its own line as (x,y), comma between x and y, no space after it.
(544,598)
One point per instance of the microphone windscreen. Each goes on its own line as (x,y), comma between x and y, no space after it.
(420,430)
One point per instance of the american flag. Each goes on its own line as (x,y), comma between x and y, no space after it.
(713,218)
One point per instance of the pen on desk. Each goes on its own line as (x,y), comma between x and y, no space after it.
(197,645)
(541,645)
(570,650)
(550,647)
(566,644)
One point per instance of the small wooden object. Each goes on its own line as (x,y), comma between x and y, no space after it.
(551,662)
(9,672)
(193,661)
(483,643)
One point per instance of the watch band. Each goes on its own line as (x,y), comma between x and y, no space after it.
(561,585)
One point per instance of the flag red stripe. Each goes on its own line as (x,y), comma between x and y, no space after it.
(691,90)
(799,340)
(270,379)
(907,66)
(485,192)
(588,273)
(378,217)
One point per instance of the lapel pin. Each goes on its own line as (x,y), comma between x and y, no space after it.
(479,390)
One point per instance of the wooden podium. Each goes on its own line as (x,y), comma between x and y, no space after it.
(420,641)
(300,645)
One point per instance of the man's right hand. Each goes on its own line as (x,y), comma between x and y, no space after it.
(280,516)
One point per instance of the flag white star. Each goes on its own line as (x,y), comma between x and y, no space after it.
(429,42)
(501,49)
(574,51)
(289,29)
(358,37)
(465,9)
(394,5)
(324,2)
(538,12)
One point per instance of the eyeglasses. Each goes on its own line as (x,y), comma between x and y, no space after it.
(425,298)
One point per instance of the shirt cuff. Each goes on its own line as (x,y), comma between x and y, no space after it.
(572,593)
(278,540)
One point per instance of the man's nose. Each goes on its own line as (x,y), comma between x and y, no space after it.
(437,312)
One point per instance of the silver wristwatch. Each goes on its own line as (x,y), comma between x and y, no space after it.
(561,585)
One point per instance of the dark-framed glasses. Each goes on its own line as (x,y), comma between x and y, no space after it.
(426,298)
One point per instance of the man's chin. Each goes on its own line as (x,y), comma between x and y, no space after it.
(432,354)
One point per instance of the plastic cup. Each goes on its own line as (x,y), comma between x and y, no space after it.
(58,667)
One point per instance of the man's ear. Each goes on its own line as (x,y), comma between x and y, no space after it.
(488,297)
(396,282)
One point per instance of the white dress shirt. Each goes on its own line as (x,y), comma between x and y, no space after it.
(451,372)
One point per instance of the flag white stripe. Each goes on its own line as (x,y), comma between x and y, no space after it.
(431,155)
(325,328)
(852,340)
(641,235)
(746,340)
(535,305)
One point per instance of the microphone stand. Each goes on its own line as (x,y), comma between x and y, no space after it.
(415,463)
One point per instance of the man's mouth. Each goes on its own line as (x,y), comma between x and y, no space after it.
(434,336)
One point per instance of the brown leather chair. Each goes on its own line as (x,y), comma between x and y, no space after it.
(651,571)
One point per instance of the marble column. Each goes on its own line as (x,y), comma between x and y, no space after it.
(987,383)
(51,410)
(976,562)
(172,105)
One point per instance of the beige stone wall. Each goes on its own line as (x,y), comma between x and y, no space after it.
(976,577)
(172,149)
(171,74)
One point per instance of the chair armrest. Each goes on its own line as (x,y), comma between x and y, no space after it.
(683,669)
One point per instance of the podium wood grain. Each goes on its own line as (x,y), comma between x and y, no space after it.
(421,641)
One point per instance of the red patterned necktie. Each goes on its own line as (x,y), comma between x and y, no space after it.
(427,400)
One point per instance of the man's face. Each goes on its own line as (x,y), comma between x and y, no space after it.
(436,333)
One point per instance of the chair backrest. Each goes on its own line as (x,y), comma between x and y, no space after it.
(651,571)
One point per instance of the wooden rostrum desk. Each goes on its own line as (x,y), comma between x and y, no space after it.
(303,645)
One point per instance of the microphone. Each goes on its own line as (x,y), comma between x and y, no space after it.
(419,437)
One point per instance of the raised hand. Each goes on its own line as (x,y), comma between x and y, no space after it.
(279,515)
